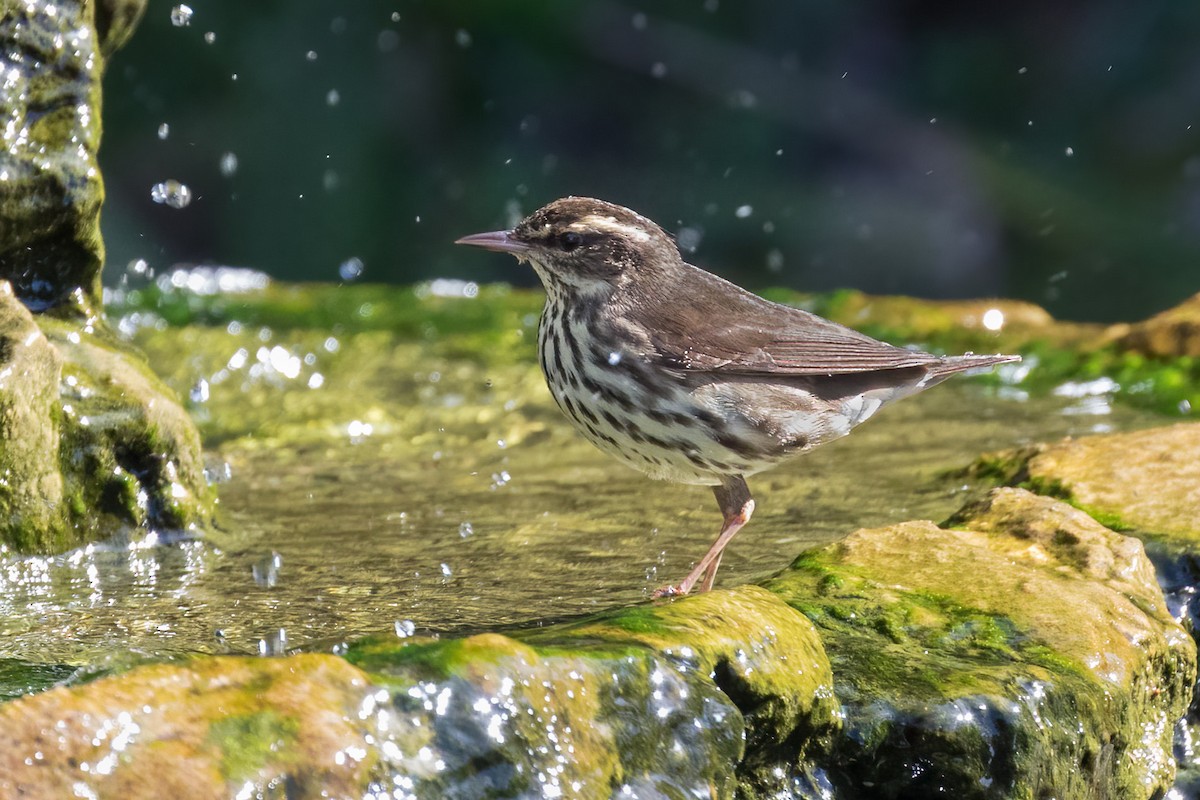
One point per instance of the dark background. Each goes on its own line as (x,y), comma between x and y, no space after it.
(1046,151)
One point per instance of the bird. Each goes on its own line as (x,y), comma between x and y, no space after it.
(690,378)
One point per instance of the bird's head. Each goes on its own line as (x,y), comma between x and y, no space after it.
(584,245)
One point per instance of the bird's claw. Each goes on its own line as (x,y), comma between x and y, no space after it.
(668,591)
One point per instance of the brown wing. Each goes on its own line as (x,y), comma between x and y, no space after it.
(701,322)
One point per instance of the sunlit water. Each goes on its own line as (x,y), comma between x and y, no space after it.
(323,542)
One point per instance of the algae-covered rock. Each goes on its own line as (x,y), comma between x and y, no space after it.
(719,694)
(212,728)
(1147,481)
(93,443)
(1174,332)
(1025,653)
(32,490)
(52,56)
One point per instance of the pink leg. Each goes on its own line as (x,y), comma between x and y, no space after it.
(737,506)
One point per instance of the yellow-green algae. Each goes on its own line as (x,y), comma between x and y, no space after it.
(1030,645)
(53,55)
(738,672)
(209,728)
(1146,481)
(94,442)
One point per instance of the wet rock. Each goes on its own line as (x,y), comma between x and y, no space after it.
(1174,332)
(50,185)
(93,443)
(1026,652)
(924,318)
(32,490)
(212,728)
(722,693)
(1145,481)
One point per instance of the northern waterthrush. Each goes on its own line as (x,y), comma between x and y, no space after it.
(685,376)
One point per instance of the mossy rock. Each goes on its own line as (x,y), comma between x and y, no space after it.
(1172,333)
(94,444)
(1027,652)
(721,694)
(211,728)
(52,55)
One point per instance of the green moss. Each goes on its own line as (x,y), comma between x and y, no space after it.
(247,742)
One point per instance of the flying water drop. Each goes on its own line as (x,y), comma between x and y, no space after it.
(171,193)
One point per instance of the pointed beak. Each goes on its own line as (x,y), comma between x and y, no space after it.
(500,241)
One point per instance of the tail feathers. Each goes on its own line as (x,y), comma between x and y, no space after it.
(949,365)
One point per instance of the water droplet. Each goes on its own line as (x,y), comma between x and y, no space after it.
(351,269)
(639,21)
(689,239)
(1070,152)
(775,260)
(164,131)
(614,358)
(446,571)
(465,530)
(210,37)
(181,15)
(658,69)
(462,38)
(332,97)
(405,628)
(266,571)
(229,164)
(359,430)
(743,211)
(199,392)
(275,645)
(171,193)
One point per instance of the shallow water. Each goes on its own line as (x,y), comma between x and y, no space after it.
(346,535)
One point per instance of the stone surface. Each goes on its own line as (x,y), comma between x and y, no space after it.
(716,695)
(50,186)
(94,444)
(1144,482)
(1147,481)
(1027,653)
(213,728)
(32,490)
(1174,332)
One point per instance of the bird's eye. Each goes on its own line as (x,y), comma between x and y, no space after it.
(570,240)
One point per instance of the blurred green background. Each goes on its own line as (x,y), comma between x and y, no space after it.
(1046,151)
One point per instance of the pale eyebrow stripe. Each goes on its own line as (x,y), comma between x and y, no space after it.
(610,224)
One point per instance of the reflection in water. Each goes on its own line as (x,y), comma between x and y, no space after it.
(363,532)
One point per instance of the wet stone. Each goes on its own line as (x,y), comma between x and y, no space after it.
(716,695)
(1174,332)
(51,59)
(1025,652)
(94,444)
(213,728)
